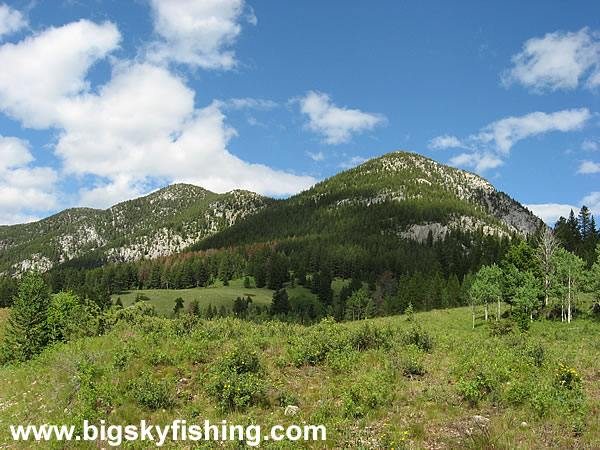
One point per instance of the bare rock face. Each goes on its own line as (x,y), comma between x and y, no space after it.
(159,224)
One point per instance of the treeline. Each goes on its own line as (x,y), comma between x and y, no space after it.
(578,234)
(275,263)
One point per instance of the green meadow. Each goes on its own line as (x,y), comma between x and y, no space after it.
(422,381)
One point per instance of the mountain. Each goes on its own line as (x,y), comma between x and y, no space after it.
(399,196)
(158,224)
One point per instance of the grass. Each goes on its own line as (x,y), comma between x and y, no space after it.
(358,379)
(216,295)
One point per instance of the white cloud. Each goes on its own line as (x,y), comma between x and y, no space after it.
(336,124)
(592,201)
(589,145)
(550,212)
(557,61)
(121,187)
(139,127)
(249,103)
(316,156)
(352,162)
(42,71)
(494,142)
(23,187)
(480,161)
(589,167)
(443,142)
(504,133)
(11,20)
(143,124)
(197,32)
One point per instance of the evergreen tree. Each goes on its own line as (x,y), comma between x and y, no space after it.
(280,304)
(178,305)
(26,332)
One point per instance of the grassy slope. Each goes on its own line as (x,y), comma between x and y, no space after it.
(361,395)
(216,295)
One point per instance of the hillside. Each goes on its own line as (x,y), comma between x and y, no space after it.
(380,383)
(400,194)
(157,224)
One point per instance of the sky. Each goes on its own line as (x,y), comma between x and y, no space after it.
(104,101)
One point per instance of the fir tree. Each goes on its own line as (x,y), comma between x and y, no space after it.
(27,332)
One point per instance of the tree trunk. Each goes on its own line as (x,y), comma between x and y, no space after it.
(473,311)
(486,312)
(569,313)
(498,316)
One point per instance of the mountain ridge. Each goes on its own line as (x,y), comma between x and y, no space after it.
(416,197)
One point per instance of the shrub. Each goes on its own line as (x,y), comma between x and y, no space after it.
(500,328)
(368,336)
(418,337)
(235,379)
(150,393)
(567,377)
(313,346)
(411,363)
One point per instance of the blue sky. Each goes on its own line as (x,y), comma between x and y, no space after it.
(103,101)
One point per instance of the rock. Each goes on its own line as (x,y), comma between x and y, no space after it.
(480,420)
(291,410)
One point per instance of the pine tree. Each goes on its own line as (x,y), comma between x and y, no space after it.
(280,303)
(27,332)
(178,305)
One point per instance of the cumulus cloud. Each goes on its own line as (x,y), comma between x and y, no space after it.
(559,60)
(23,187)
(141,126)
(550,212)
(480,161)
(443,142)
(43,71)
(504,133)
(336,124)
(198,33)
(493,143)
(11,20)
(116,189)
(587,167)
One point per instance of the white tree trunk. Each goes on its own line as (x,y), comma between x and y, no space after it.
(498,316)
(569,313)
(486,312)
(473,311)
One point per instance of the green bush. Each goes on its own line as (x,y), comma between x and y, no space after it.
(150,393)
(313,346)
(235,379)
(418,337)
(411,363)
(368,336)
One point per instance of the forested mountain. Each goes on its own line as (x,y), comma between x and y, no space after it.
(157,224)
(401,200)
(401,195)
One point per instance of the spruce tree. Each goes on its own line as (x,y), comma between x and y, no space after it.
(27,332)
